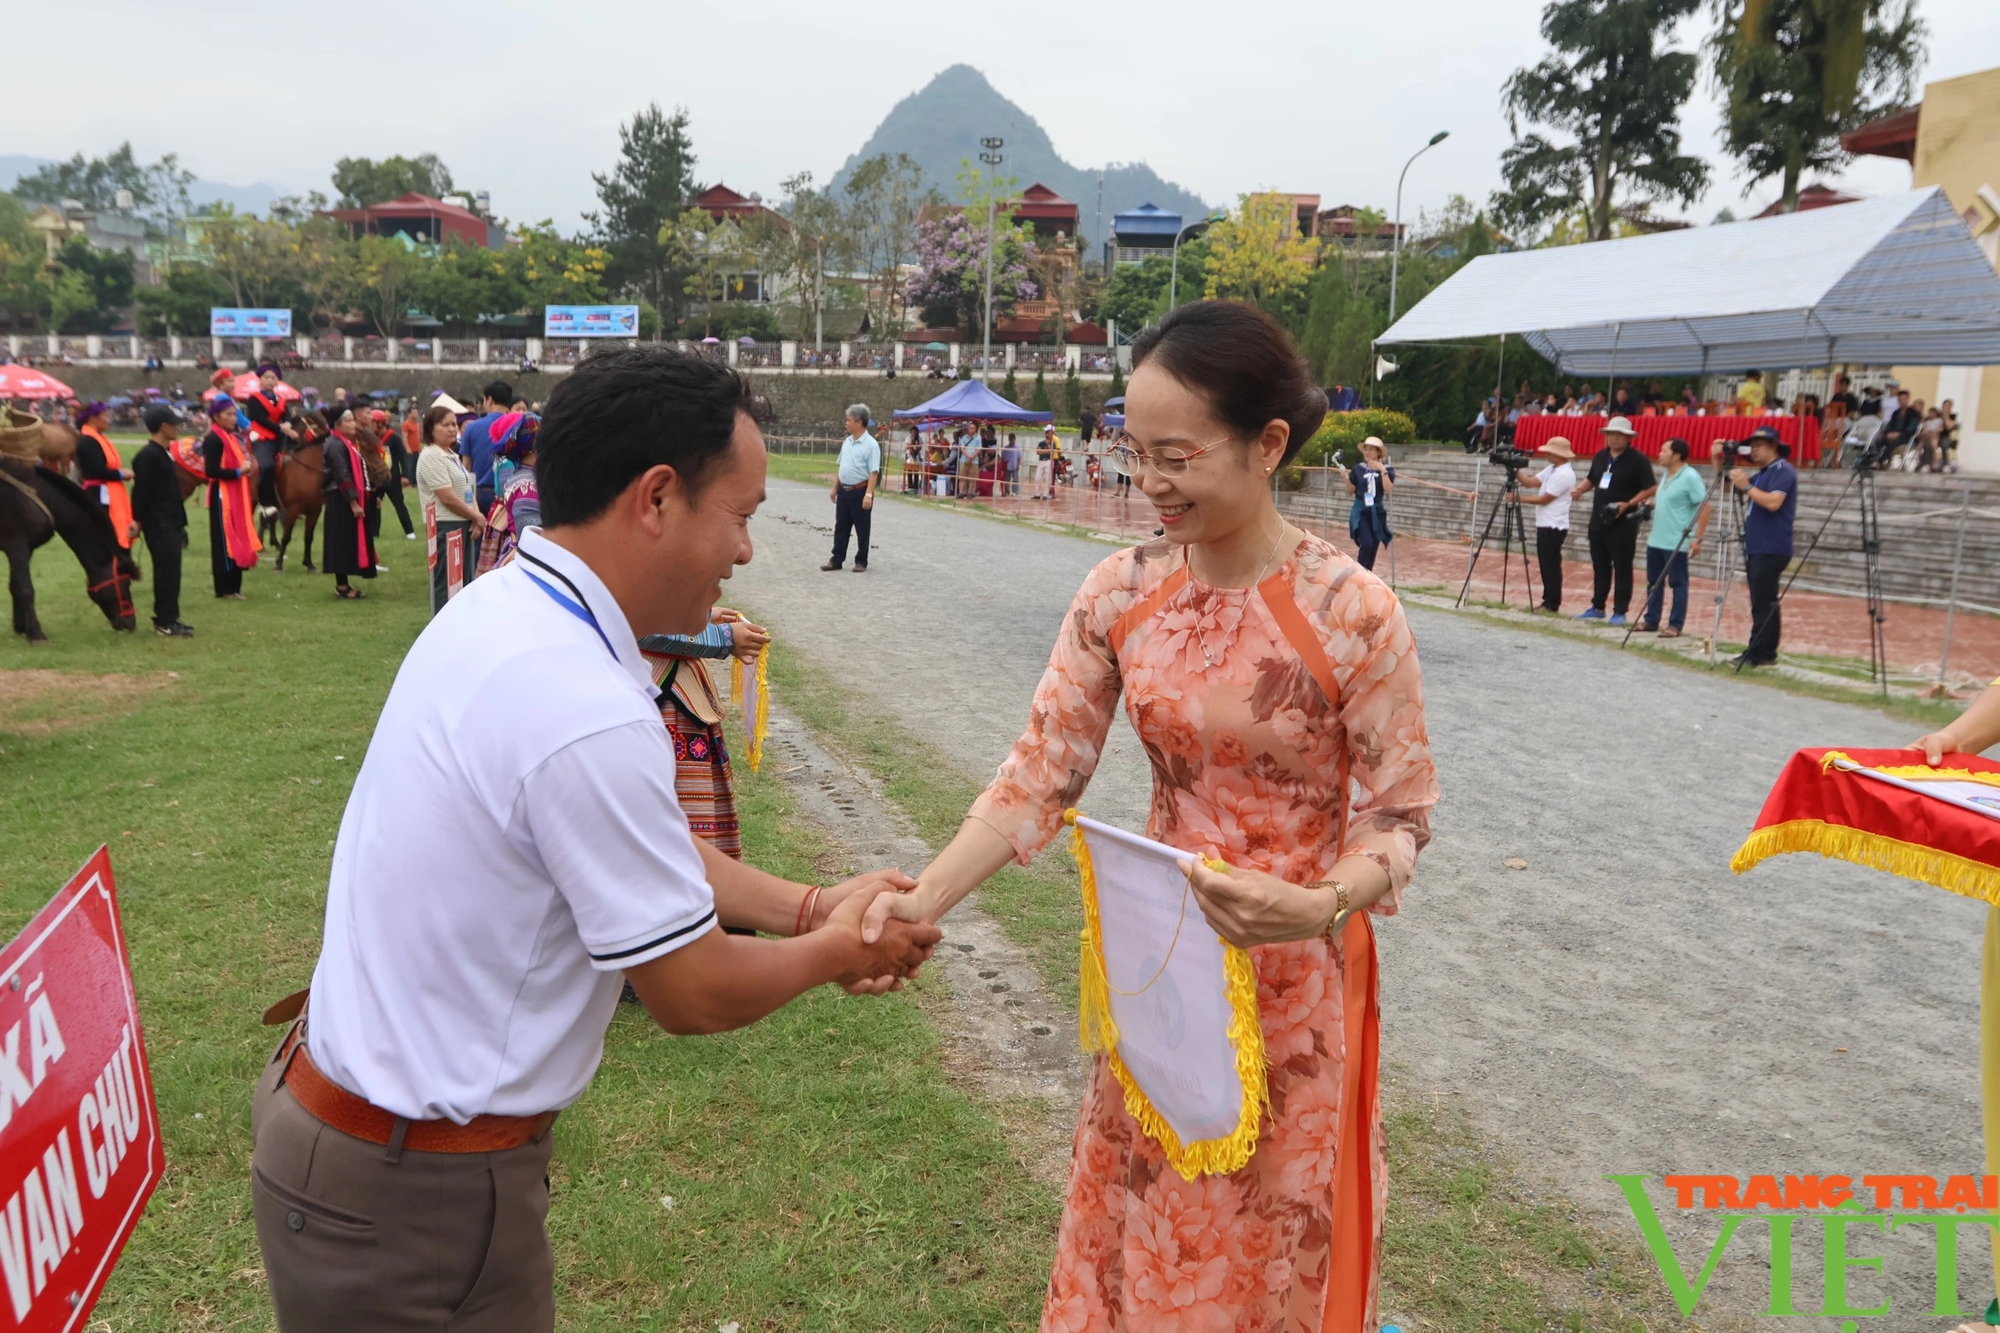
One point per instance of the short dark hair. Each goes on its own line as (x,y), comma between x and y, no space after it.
(1238,358)
(622,412)
(431,420)
(1680,448)
(499,391)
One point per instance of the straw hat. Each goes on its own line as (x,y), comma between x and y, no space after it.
(1557,447)
(1374,442)
(1620,426)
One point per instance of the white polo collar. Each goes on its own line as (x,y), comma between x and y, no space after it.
(540,557)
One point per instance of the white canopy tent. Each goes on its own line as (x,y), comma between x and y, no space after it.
(1896,280)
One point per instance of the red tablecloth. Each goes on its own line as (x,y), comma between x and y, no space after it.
(1586,434)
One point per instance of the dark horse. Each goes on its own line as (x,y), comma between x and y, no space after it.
(37,504)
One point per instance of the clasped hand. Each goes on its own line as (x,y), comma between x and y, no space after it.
(893,949)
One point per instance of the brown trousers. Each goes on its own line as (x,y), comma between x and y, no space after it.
(429,1241)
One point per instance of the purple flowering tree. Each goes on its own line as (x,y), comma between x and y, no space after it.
(950,282)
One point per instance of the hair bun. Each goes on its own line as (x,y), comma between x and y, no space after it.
(1243,362)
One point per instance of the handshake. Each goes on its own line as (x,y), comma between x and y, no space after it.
(883,943)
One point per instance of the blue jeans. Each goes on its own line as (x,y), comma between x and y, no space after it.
(1666,569)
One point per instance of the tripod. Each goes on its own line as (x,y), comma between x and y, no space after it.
(1862,485)
(1512,529)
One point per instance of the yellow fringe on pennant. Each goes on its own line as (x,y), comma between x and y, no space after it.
(1913,772)
(1955,874)
(763,723)
(1098,1031)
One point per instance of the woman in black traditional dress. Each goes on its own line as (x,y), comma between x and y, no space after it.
(349,549)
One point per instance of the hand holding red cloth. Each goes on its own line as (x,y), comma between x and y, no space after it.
(1816,806)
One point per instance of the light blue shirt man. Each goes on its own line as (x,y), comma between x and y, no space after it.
(860,457)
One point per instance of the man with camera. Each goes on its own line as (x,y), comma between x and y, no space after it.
(1767,539)
(1554,486)
(1623,480)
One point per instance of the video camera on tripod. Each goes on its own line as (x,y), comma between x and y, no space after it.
(1508,457)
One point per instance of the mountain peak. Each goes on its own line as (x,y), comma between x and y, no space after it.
(940,125)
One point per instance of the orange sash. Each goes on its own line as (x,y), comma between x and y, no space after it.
(239,532)
(1355,1251)
(117,500)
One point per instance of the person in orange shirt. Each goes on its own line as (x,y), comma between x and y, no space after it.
(103,472)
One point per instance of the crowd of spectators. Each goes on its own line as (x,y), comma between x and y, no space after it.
(1920,437)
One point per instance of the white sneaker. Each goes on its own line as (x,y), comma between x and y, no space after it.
(409,536)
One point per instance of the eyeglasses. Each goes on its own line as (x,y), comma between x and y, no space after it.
(1128,459)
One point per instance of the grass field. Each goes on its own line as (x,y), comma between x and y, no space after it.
(871,1194)
(824,1173)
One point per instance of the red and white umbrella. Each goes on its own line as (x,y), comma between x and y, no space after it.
(247,383)
(21,382)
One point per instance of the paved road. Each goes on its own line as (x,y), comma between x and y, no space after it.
(1624,1004)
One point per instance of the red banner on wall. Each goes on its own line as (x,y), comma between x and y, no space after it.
(80,1148)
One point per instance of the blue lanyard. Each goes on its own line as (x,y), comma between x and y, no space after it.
(577,608)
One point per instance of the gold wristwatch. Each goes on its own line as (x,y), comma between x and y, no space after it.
(1340,910)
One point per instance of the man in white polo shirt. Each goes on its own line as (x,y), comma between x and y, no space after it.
(462,995)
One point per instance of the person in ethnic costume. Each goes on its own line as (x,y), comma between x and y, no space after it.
(102,472)
(349,550)
(270,431)
(232,530)
(691,707)
(1262,669)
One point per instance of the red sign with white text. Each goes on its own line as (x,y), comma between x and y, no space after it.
(80,1145)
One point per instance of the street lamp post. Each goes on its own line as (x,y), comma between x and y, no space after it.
(991,156)
(1174,271)
(1396,241)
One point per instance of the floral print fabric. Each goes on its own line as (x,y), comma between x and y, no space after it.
(1248,760)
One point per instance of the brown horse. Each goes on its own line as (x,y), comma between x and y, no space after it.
(298,485)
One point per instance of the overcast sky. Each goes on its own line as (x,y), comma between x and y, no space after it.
(525,100)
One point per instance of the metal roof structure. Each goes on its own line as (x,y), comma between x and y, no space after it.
(1897,280)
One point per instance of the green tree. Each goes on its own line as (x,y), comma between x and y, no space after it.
(710,257)
(256,257)
(1117,376)
(650,186)
(1009,387)
(361,181)
(1040,401)
(23,285)
(884,197)
(1797,73)
(180,301)
(807,240)
(159,190)
(1072,396)
(1613,98)
(1136,294)
(93,285)
(391,271)
(1257,255)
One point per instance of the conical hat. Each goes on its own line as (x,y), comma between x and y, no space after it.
(21,436)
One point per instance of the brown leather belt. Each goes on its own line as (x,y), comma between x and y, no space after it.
(337,1108)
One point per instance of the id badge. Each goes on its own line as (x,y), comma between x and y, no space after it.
(1604,482)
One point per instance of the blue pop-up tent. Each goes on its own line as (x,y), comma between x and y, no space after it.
(971,400)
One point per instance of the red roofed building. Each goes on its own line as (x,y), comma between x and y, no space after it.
(422,218)
(722,202)
(1048,213)
(1811,197)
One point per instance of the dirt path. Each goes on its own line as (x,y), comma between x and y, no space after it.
(1624,1004)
